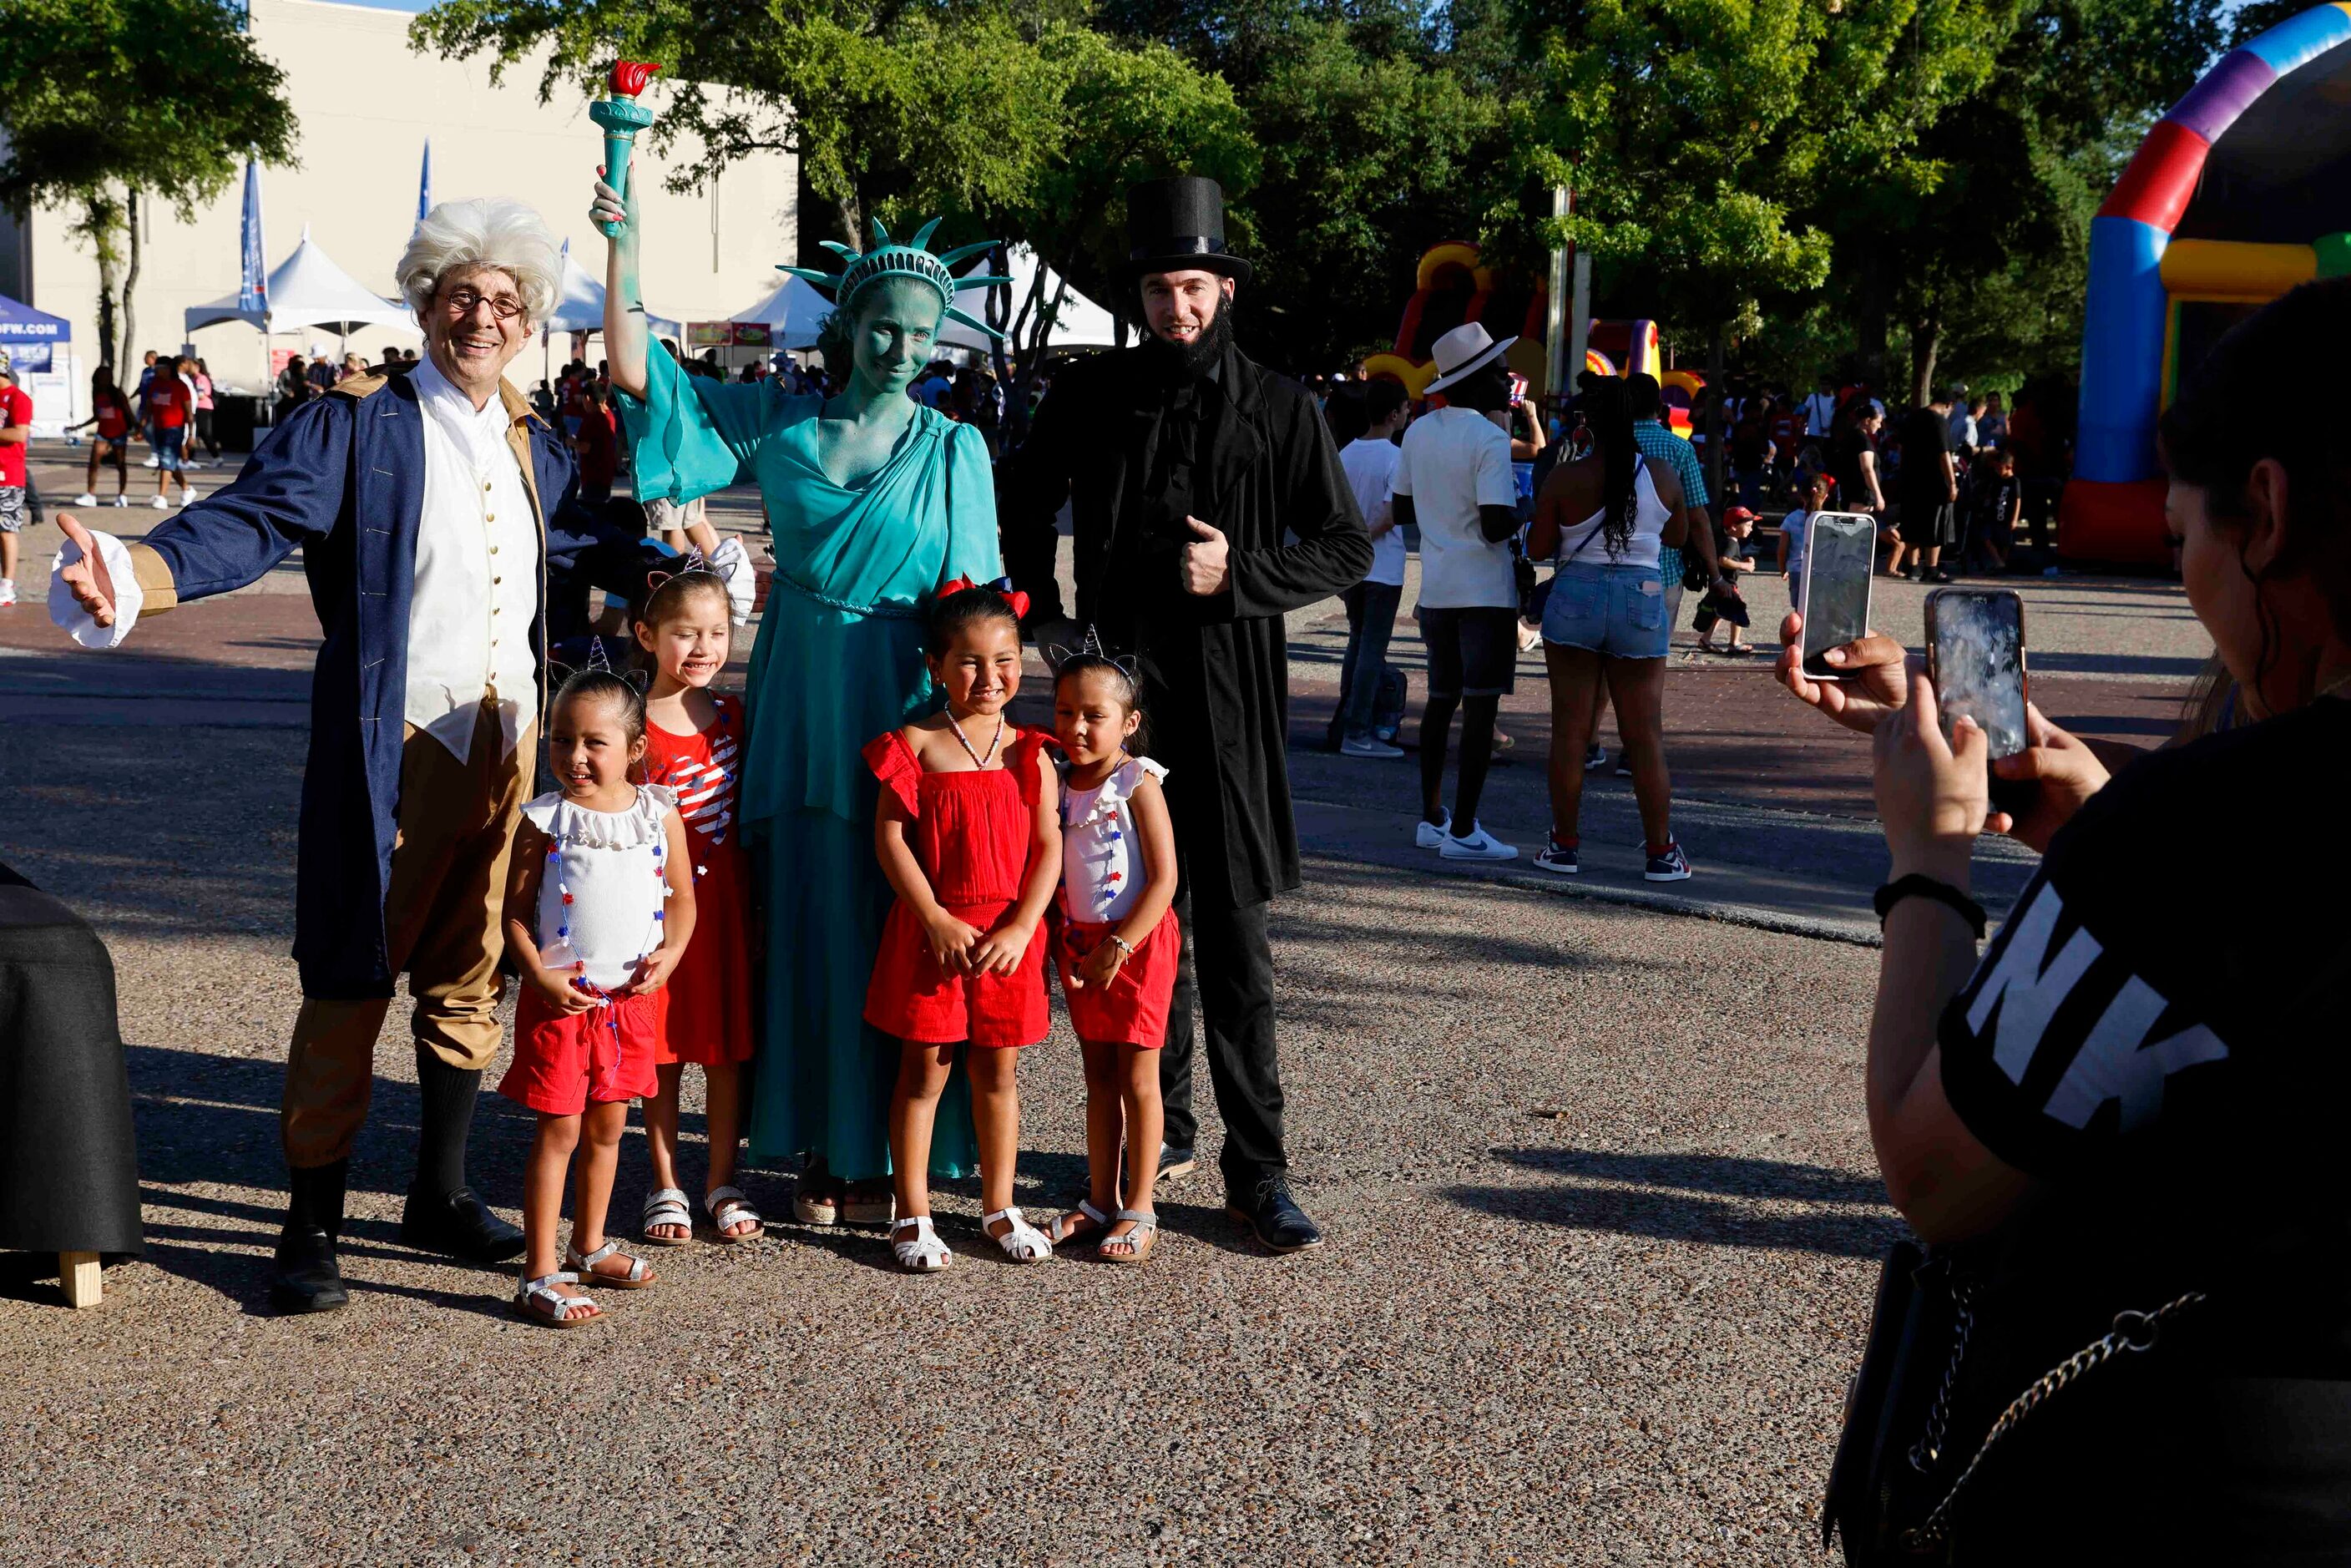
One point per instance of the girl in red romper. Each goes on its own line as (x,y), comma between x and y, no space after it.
(693,745)
(1116,939)
(969,836)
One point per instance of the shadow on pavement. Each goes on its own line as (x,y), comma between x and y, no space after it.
(1670,1198)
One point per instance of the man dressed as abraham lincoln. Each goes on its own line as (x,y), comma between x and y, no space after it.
(1186,464)
(436,515)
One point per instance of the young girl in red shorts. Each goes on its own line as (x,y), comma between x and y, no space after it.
(1116,942)
(694,741)
(968,836)
(600,904)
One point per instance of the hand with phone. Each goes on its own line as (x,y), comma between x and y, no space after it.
(1870,678)
(2063,773)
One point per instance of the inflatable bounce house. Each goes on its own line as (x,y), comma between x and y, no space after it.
(1453,287)
(2239,193)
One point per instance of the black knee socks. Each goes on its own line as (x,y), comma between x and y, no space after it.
(448,1093)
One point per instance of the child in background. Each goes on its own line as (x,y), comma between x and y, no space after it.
(1738,556)
(969,838)
(1995,501)
(1116,943)
(694,740)
(110,411)
(1792,535)
(600,907)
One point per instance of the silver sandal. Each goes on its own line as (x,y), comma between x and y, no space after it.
(639,1277)
(1139,1241)
(666,1206)
(557,1312)
(727,1206)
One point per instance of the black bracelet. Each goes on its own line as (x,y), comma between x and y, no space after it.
(1921,885)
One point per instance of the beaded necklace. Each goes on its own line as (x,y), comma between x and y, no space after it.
(982,763)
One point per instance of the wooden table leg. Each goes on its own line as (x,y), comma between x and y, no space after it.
(79,1272)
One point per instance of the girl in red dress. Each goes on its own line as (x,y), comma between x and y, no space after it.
(694,746)
(969,837)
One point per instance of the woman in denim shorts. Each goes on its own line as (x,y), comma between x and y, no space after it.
(1604,518)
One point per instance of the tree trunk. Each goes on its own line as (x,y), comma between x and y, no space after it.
(101,226)
(1870,312)
(1715,434)
(1925,341)
(129,283)
(851,212)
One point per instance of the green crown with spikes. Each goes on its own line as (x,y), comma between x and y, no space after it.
(913,259)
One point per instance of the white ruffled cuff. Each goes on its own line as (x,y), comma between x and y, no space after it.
(733,564)
(128,597)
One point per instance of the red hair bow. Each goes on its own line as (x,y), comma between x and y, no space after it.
(1003,585)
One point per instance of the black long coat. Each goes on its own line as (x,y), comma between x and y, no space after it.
(1217,669)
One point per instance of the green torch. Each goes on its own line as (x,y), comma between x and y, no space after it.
(621,118)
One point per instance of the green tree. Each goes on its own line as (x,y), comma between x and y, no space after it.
(112,101)
(896,104)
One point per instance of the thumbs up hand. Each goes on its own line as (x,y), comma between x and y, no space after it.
(1207,563)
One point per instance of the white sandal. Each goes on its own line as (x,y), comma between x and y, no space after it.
(638,1278)
(666,1206)
(1139,1241)
(559,1306)
(921,1253)
(1024,1243)
(727,1206)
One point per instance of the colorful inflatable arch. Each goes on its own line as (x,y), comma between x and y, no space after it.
(1453,286)
(2239,193)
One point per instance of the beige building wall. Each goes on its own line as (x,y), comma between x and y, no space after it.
(366,102)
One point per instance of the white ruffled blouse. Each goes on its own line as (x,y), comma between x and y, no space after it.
(601,897)
(1101,859)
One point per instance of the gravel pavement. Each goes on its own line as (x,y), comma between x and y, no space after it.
(1602,1212)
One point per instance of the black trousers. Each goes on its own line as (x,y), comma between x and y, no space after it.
(1226,963)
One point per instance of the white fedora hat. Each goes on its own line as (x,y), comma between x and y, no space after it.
(1464,351)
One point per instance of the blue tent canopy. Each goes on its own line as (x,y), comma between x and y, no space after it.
(29,335)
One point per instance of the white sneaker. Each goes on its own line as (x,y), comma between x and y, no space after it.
(189,495)
(85,500)
(119,500)
(1431,835)
(7,592)
(1480,845)
(1369,748)
(152,462)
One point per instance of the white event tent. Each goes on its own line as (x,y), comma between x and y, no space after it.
(579,306)
(308,290)
(790,314)
(1081,324)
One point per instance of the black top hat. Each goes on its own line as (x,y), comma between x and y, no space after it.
(1177,225)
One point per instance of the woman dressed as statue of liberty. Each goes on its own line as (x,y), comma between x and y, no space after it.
(875,501)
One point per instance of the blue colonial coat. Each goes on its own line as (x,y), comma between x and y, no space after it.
(342,479)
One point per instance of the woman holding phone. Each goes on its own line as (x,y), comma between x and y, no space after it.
(2122,1123)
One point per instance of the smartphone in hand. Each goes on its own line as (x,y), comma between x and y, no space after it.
(1840,559)
(1975,657)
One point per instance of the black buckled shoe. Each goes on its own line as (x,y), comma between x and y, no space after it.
(303,1276)
(1274,1216)
(459,1224)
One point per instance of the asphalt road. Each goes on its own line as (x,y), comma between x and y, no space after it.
(1603,1220)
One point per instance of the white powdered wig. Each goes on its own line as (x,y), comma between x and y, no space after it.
(486,232)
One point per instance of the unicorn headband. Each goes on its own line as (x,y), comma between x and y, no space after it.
(694,561)
(913,259)
(1091,646)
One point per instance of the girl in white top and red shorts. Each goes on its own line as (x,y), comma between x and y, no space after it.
(1116,939)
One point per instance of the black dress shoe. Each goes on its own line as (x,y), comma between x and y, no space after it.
(303,1276)
(1274,1216)
(1175,1162)
(459,1224)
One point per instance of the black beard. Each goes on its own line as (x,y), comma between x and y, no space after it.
(1189,362)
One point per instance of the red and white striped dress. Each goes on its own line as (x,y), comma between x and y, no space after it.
(708,1021)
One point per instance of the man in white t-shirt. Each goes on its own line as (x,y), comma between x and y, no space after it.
(1820,409)
(1453,480)
(1370,462)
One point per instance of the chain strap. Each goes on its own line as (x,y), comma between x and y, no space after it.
(2132,1332)
(1928,1450)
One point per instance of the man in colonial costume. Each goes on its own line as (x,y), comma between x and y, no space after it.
(433,510)
(1186,464)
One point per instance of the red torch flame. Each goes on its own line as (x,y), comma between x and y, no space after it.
(630,76)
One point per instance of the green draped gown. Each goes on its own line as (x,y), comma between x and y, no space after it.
(839,661)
